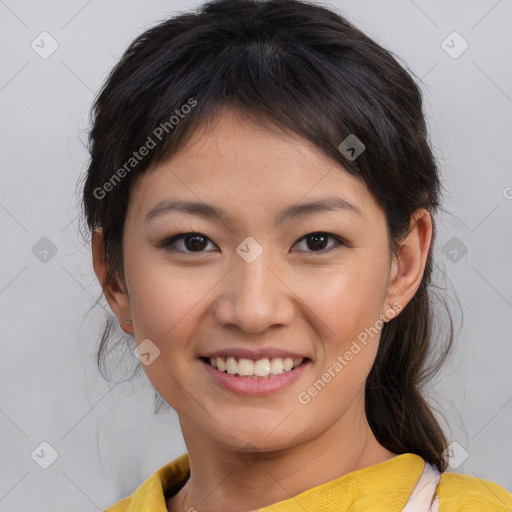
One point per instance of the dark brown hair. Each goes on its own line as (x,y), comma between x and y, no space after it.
(310,72)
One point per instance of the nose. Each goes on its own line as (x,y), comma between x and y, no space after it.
(254,296)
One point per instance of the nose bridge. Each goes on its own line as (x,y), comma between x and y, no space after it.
(255,297)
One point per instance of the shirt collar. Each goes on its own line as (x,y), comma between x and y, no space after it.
(383,486)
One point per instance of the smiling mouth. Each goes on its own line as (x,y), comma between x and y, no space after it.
(255,369)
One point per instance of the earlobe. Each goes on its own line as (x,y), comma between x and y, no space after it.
(408,265)
(115,294)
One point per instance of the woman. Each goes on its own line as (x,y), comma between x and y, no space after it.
(261,196)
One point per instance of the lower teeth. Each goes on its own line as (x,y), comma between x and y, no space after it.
(255,376)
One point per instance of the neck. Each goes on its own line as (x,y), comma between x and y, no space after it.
(228,480)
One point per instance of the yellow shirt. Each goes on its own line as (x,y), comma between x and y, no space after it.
(383,487)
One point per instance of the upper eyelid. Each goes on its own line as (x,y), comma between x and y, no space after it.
(180,236)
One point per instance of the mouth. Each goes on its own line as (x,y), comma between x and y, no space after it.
(265,368)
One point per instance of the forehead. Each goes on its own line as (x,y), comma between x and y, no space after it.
(248,167)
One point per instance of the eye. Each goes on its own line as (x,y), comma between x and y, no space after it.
(193,242)
(317,241)
(196,242)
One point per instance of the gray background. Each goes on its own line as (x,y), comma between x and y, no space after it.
(106,438)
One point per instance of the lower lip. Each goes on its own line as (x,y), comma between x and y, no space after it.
(259,386)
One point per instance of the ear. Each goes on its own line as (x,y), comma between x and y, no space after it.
(408,266)
(116,294)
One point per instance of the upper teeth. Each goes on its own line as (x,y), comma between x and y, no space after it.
(259,368)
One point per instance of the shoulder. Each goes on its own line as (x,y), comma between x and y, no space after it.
(120,506)
(151,495)
(465,493)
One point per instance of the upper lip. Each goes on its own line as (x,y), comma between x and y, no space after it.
(244,353)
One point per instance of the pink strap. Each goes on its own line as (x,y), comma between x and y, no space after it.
(422,498)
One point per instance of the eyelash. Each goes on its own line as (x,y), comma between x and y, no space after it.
(167,243)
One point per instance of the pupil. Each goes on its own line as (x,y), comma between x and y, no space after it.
(316,242)
(198,242)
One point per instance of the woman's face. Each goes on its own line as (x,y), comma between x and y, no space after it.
(257,285)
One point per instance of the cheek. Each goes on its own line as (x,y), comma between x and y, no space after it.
(165,299)
(347,305)
(165,304)
(349,298)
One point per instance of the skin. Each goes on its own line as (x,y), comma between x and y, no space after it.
(313,300)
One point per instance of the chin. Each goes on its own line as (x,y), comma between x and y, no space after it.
(257,438)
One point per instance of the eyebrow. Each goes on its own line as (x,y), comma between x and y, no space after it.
(208,211)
